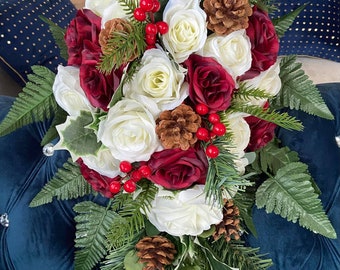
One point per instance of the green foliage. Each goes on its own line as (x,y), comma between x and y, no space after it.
(290,194)
(298,92)
(35,103)
(68,183)
(129,6)
(281,119)
(283,23)
(245,93)
(78,138)
(58,34)
(93,224)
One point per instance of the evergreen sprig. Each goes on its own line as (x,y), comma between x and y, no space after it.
(35,103)
(129,6)
(298,92)
(246,93)
(68,183)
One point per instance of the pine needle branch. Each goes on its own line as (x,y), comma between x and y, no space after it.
(245,93)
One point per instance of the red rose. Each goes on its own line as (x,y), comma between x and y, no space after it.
(178,169)
(98,182)
(209,83)
(85,26)
(261,133)
(264,42)
(98,87)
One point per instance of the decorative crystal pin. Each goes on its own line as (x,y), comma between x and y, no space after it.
(4,221)
(337,139)
(48,149)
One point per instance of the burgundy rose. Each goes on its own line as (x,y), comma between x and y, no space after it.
(98,87)
(209,83)
(264,42)
(98,182)
(261,133)
(85,26)
(178,169)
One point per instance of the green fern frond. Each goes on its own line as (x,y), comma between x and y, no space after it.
(93,224)
(298,92)
(291,195)
(281,119)
(245,93)
(58,34)
(68,183)
(283,23)
(35,103)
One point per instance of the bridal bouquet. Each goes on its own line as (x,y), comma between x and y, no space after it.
(168,109)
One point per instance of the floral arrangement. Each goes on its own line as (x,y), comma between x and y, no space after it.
(168,110)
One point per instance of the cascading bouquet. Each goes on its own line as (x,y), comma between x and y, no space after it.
(168,109)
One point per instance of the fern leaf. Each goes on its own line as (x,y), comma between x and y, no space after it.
(291,195)
(68,183)
(58,34)
(281,119)
(93,224)
(283,23)
(298,92)
(245,93)
(35,103)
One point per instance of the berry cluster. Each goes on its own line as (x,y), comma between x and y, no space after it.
(218,129)
(133,175)
(151,29)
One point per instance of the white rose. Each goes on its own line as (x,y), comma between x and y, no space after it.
(129,131)
(106,9)
(187,28)
(241,133)
(103,162)
(268,80)
(68,93)
(158,82)
(186,212)
(232,51)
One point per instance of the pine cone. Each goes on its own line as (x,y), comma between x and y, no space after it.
(230,225)
(116,25)
(226,16)
(177,128)
(156,252)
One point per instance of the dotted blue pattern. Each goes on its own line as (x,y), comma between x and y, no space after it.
(25,40)
(315,32)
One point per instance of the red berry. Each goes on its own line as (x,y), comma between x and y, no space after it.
(136,176)
(219,129)
(130,186)
(202,109)
(156,6)
(139,14)
(146,5)
(202,134)
(150,39)
(214,118)
(145,170)
(114,187)
(125,166)
(151,29)
(212,151)
(163,27)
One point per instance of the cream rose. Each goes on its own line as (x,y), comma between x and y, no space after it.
(232,51)
(68,93)
(186,212)
(187,28)
(158,82)
(268,80)
(129,131)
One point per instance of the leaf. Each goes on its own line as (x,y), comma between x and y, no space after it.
(58,34)
(68,183)
(298,92)
(283,23)
(246,92)
(131,262)
(93,223)
(35,103)
(77,137)
(290,194)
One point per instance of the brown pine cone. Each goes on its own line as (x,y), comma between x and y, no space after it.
(116,25)
(156,252)
(226,16)
(177,128)
(230,225)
